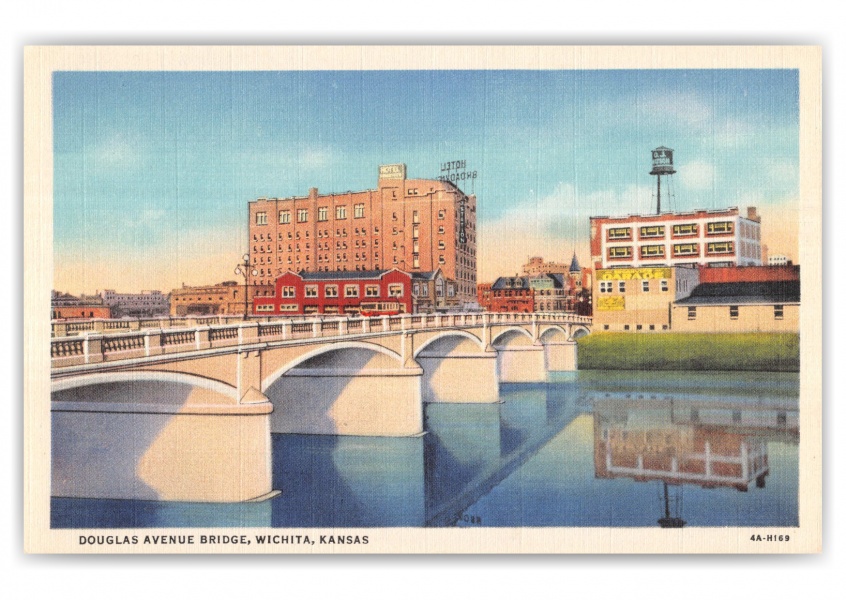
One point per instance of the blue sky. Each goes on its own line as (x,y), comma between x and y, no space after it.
(153,170)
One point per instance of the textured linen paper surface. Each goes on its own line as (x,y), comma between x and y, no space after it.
(422,299)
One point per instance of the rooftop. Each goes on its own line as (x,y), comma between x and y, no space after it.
(758,292)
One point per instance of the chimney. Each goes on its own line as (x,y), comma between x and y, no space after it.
(312,193)
(752,214)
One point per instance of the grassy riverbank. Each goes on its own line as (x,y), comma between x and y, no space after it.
(691,351)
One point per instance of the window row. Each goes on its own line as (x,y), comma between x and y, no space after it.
(395,290)
(680,230)
(607,287)
(658,250)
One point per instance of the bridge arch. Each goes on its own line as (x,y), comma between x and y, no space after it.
(554,333)
(334,348)
(509,334)
(345,388)
(168,377)
(579,331)
(439,338)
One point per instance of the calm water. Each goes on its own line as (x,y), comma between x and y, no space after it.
(588,449)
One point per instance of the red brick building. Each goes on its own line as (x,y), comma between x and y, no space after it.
(335,293)
(415,225)
(512,294)
(749,274)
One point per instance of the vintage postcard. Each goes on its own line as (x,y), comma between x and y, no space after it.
(422,299)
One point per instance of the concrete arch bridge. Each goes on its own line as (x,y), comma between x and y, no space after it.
(186,413)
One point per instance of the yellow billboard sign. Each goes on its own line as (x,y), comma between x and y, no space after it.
(641,273)
(611,303)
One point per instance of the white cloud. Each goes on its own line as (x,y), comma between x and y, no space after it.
(697,175)
(685,108)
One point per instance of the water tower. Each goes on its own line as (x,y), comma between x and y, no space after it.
(662,164)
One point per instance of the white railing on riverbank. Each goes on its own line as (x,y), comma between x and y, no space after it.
(109,340)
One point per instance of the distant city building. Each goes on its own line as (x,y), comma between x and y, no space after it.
(537,266)
(227,298)
(639,299)
(701,237)
(149,303)
(432,292)
(512,294)
(778,260)
(415,225)
(67,306)
(338,293)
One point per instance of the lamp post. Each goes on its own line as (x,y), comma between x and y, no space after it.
(244,269)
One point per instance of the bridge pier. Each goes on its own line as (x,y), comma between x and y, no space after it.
(383,403)
(159,441)
(463,378)
(561,356)
(521,364)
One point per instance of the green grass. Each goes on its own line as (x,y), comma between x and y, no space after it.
(691,351)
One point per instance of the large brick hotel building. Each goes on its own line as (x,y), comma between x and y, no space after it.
(414,225)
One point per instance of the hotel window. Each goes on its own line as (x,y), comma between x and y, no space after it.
(371,291)
(620,252)
(415,232)
(720,247)
(722,227)
(416,289)
(620,233)
(341,212)
(441,230)
(289,291)
(691,313)
(302,215)
(261,218)
(350,291)
(323,213)
(415,218)
(450,290)
(311,291)
(441,245)
(734,312)
(441,214)
(416,261)
(686,250)
(778,312)
(652,231)
(331,291)
(264,308)
(621,287)
(395,290)
(359,211)
(650,251)
(665,287)
(686,229)
(644,285)
(441,260)
(606,287)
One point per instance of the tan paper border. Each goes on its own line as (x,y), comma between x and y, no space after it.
(41,62)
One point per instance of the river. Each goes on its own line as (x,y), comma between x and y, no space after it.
(586,449)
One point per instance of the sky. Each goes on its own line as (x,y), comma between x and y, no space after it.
(153,170)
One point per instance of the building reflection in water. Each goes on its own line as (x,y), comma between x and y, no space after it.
(678,441)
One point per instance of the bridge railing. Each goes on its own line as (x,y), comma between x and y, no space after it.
(116,343)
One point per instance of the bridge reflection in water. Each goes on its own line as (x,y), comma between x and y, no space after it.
(593,449)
